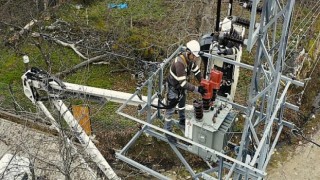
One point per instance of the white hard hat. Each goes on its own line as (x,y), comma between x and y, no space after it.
(194,47)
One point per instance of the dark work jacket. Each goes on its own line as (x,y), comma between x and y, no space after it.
(180,69)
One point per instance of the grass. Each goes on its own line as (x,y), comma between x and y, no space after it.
(101,76)
(106,114)
(131,28)
(98,75)
(11,65)
(100,17)
(139,10)
(281,155)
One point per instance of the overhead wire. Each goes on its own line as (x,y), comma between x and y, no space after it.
(314,66)
(305,31)
(298,12)
(316,63)
(303,22)
(297,132)
(316,5)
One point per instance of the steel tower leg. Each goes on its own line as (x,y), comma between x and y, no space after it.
(266,94)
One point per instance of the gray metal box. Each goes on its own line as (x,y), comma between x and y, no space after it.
(213,130)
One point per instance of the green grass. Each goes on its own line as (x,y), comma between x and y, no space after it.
(94,75)
(11,65)
(106,114)
(100,17)
(139,10)
(131,28)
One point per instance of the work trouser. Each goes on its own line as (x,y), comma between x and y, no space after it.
(173,96)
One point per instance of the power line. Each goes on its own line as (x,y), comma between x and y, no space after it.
(314,67)
(314,19)
(304,19)
(298,132)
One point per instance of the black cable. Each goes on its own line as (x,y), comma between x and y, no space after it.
(298,132)
(171,105)
(218,16)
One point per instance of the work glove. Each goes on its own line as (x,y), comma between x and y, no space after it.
(202,90)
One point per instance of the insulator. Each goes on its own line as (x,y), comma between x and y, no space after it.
(206,104)
(214,95)
(198,109)
(249,7)
(235,39)
(242,21)
(214,119)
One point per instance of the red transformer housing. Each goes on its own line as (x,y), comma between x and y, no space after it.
(208,85)
(212,86)
(216,78)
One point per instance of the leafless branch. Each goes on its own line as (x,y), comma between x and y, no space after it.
(70,45)
(17,35)
(82,64)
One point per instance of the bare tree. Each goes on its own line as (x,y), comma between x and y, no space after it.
(67,43)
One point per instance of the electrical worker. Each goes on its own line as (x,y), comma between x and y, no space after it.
(178,83)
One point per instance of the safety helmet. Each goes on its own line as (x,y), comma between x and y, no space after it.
(194,47)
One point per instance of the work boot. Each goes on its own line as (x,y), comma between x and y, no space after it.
(171,139)
(168,126)
(182,124)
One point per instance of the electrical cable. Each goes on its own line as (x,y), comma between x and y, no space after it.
(316,63)
(297,10)
(303,26)
(310,21)
(314,66)
(300,94)
(169,106)
(318,36)
(303,20)
(306,21)
(298,132)
(299,37)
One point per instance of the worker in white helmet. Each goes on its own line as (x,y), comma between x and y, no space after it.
(180,69)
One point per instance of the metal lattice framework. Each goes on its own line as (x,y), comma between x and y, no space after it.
(266,95)
(264,109)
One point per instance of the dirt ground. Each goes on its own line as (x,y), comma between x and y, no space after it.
(41,149)
(301,164)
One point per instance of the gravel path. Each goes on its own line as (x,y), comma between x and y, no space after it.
(301,165)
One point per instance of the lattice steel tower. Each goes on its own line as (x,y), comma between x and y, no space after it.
(267,96)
